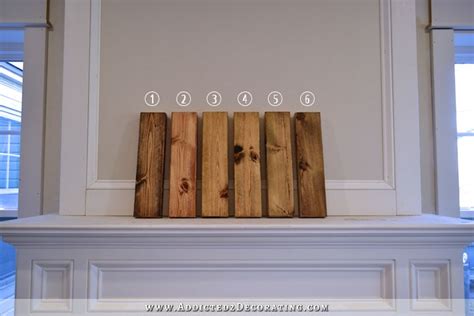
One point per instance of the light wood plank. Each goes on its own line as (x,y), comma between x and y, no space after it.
(248,186)
(182,202)
(309,157)
(279,164)
(215,173)
(150,165)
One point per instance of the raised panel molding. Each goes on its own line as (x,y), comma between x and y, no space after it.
(430,285)
(345,197)
(51,286)
(358,285)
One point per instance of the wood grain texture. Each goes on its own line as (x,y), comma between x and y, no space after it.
(247,181)
(182,202)
(280,192)
(215,172)
(150,165)
(309,156)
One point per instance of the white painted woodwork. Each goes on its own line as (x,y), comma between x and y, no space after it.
(30,202)
(81,265)
(445,129)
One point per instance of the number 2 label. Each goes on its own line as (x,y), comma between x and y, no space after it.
(183,98)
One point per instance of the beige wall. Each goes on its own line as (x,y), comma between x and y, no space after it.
(128,39)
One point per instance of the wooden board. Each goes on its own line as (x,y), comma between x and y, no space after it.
(215,173)
(150,165)
(247,181)
(182,202)
(279,164)
(309,156)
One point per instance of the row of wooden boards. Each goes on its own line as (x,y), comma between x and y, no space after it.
(215,163)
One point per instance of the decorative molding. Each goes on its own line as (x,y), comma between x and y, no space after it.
(387,183)
(51,285)
(430,285)
(416,232)
(378,294)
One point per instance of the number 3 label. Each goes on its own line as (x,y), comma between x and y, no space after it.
(275,98)
(214,98)
(183,98)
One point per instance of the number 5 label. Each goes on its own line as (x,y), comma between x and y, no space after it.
(275,98)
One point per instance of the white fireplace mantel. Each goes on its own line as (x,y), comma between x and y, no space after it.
(404,265)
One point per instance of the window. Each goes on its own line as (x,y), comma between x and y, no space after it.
(464,74)
(11,77)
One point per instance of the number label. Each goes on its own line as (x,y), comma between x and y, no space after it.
(152,98)
(214,98)
(244,98)
(275,98)
(307,98)
(183,98)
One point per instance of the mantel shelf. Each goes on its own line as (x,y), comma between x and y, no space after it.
(198,231)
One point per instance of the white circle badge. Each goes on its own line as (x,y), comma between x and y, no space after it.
(275,98)
(214,98)
(307,98)
(152,98)
(183,98)
(244,98)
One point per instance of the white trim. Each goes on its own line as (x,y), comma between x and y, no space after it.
(74,108)
(445,130)
(32,129)
(406,108)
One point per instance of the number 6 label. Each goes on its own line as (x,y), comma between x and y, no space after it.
(307,98)
(183,98)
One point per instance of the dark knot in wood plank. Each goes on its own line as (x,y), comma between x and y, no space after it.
(238,153)
(184,186)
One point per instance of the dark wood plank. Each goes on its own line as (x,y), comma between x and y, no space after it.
(182,202)
(280,191)
(309,155)
(215,173)
(150,165)
(247,181)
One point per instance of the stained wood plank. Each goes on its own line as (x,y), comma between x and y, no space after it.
(215,173)
(150,165)
(279,164)
(247,181)
(309,155)
(182,201)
